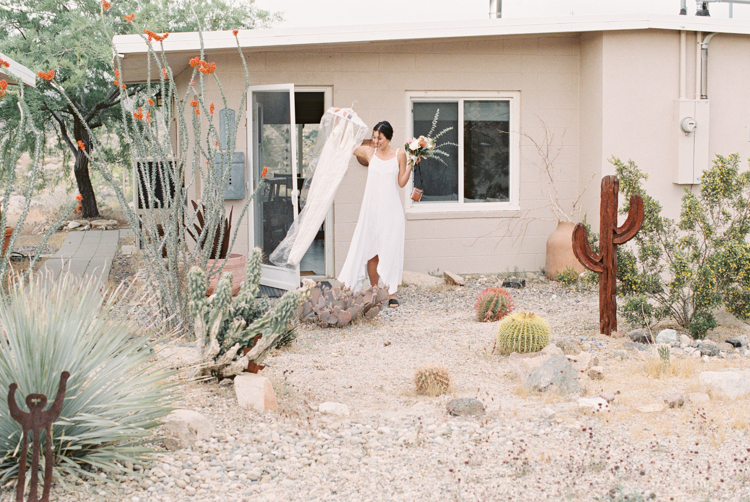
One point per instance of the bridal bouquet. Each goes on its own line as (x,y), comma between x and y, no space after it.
(427,146)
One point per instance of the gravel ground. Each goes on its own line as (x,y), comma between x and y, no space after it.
(398,446)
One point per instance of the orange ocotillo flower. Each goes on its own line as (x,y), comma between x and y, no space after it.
(194,103)
(164,73)
(211,108)
(150,102)
(48,75)
(207,68)
(3,86)
(139,114)
(234,32)
(106,5)
(4,63)
(81,146)
(129,18)
(154,36)
(264,173)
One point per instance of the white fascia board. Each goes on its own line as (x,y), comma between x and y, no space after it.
(285,37)
(17,71)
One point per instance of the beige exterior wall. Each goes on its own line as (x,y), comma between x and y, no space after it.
(379,76)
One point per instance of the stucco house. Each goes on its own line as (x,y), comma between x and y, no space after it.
(632,86)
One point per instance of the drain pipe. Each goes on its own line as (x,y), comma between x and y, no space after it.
(704,65)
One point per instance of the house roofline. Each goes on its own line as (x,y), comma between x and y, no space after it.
(16,71)
(287,37)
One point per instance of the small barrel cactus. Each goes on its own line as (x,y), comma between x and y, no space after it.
(493,304)
(432,380)
(523,332)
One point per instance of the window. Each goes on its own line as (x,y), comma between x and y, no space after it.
(482,171)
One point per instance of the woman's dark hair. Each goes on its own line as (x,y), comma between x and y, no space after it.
(385,128)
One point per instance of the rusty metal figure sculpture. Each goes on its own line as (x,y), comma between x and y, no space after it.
(36,420)
(605,262)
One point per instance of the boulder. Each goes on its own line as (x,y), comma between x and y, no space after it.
(740,341)
(608,396)
(255,392)
(593,404)
(580,362)
(641,336)
(73,225)
(636,346)
(453,279)
(732,384)
(332,408)
(104,224)
(465,406)
(524,364)
(685,341)
(667,336)
(182,428)
(726,347)
(556,373)
(552,350)
(708,349)
(420,279)
(569,347)
(514,283)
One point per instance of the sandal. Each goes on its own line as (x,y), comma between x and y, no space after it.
(392,303)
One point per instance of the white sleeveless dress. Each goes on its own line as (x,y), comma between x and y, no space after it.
(379,231)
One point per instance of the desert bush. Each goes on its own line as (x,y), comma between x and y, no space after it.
(115,393)
(568,277)
(684,269)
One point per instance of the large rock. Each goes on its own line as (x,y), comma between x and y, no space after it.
(255,391)
(708,349)
(182,428)
(674,400)
(524,364)
(420,279)
(556,373)
(580,362)
(641,336)
(740,341)
(731,384)
(552,350)
(593,404)
(465,406)
(453,279)
(668,336)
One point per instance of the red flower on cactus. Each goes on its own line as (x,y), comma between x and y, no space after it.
(148,117)
(79,197)
(197,111)
(207,68)
(194,103)
(264,173)
(48,75)
(129,18)
(81,146)
(234,32)
(4,63)
(116,83)
(117,73)
(139,114)
(211,108)
(150,102)
(106,5)
(154,36)
(164,73)
(195,61)
(3,85)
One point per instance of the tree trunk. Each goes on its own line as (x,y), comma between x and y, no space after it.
(81,170)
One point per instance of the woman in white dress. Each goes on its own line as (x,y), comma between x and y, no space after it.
(377,248)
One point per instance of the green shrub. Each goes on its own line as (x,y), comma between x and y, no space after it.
(115,393)
(568,277)
(687,268)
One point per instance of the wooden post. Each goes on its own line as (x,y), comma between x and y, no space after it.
(605,262)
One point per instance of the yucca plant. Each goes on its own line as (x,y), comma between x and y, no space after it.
(115,393)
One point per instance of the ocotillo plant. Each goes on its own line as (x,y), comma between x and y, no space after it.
(604,263)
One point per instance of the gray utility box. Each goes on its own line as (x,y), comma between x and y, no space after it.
(236,184)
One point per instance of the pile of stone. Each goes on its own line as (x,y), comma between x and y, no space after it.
(642,339)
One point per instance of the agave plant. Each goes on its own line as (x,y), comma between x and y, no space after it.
(115,392)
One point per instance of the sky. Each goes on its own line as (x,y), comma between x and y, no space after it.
(310,13)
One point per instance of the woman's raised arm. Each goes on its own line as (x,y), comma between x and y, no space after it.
(404,170)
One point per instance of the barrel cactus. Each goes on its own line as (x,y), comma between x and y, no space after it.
(493,304)
(432,380)
(523,332)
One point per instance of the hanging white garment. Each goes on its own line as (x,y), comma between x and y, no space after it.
(380,229)
(341,131)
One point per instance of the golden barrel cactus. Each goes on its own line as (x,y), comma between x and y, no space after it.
(432,380)
(523,332)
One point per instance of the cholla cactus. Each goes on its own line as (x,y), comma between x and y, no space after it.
(432,380)
(493,304)
(223,326)
(522,332)
(337,307)
(664,354)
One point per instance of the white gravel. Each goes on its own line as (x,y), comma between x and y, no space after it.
(397,446)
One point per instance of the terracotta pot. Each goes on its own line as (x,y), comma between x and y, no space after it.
(6,240)
(560,251)
(236,265)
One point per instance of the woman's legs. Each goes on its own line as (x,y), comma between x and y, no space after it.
(372,271)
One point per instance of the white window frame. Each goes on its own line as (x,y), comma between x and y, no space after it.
(514,99)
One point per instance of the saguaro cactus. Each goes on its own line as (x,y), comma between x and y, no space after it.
(604,263)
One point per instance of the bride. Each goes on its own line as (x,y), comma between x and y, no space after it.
(377,248)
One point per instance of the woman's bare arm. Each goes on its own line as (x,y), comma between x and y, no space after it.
(404,171)
(364,152)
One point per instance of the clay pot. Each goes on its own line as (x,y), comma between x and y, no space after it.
(6,240)
(560,251)
(236,265)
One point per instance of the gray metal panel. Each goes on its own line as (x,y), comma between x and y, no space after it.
(236,185)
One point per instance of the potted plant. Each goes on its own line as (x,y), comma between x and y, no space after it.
(234,262)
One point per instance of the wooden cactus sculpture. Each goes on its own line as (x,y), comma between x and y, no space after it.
(605,262)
